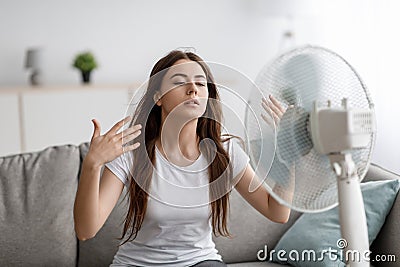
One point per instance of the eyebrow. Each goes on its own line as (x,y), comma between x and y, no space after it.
(184,75)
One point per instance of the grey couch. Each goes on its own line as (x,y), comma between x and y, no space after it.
(37,192)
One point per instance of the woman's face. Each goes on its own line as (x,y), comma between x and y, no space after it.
(183,91)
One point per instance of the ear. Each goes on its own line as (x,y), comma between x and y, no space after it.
(157,99)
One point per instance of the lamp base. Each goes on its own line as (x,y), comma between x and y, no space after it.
(35,78)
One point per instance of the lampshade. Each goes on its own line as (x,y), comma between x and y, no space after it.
(33,58)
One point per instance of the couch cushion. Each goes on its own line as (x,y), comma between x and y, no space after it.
(37,192)
(250,232)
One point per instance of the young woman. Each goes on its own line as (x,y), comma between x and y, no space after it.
(178,172)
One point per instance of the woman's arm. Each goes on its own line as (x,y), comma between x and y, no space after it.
(260,199)
(96,197)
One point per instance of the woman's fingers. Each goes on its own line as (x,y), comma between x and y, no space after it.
(276,117)
(276,103)
(271,112)
(107,147)
(118,126)
(127,138)
(97,129)
(266,119)
(275,109)
(129,131)
(130,147)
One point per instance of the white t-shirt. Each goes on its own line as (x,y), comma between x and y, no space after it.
(176,230)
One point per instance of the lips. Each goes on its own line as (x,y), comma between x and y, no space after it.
(193,101)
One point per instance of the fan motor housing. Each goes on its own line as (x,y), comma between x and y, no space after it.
(336,130)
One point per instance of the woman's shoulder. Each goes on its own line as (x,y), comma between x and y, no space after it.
(121,166)
(237,154)
(231,142)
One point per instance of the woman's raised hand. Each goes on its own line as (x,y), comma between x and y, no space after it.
(107,147)
(274,109)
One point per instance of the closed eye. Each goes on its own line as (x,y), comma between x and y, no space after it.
(179,83)
(197,83)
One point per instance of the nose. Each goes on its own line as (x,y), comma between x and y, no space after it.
(192,89)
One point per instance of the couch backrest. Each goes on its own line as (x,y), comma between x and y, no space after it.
(37,192)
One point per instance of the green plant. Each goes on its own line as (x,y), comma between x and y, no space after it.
(85,62)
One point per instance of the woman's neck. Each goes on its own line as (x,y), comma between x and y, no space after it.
(179,141)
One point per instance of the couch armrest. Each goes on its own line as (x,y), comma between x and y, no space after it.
(388,240)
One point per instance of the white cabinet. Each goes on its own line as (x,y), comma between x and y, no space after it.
(10,134)
(35,118)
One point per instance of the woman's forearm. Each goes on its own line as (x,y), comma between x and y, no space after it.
(280,211)
(86,208)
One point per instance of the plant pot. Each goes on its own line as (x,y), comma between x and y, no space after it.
(86,76)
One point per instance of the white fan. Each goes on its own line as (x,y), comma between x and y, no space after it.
(324,139)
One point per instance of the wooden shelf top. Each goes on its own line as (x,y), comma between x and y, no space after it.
(60,88)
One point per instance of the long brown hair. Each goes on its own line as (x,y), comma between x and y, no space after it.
(208,127)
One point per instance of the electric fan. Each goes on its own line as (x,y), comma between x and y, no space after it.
(324,139)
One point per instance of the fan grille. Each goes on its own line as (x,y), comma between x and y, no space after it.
(298,78)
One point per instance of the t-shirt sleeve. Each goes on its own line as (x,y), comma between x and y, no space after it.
(119,167)
(238,157)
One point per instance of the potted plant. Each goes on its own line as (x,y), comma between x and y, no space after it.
(85,62)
